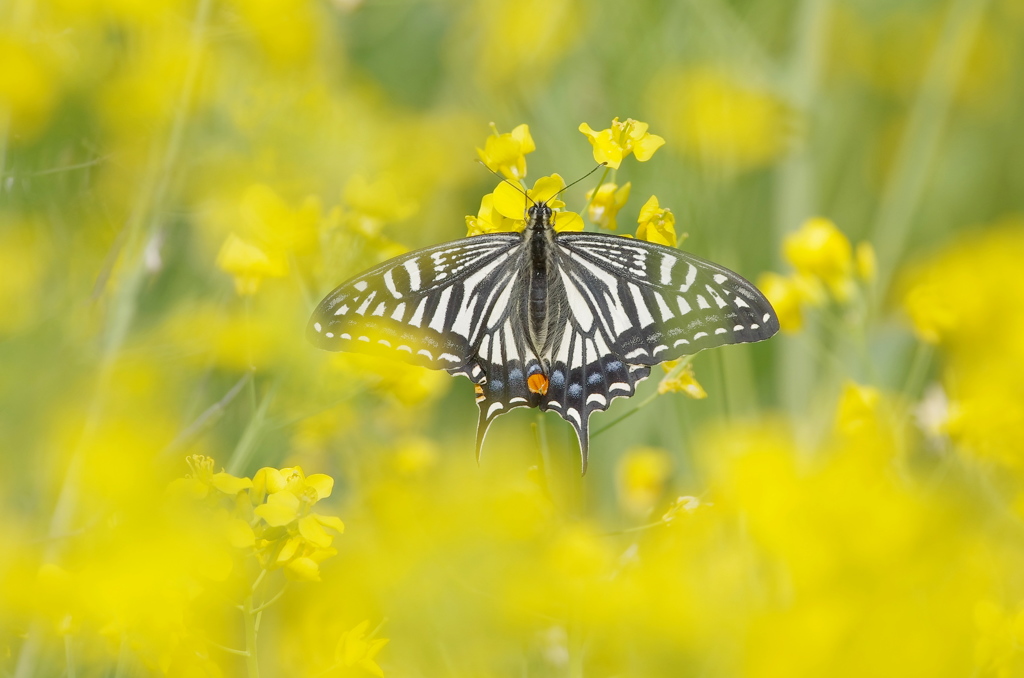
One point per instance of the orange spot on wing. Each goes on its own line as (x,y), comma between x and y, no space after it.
(478,389)
(538,383)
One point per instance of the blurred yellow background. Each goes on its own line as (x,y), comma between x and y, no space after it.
(182,180)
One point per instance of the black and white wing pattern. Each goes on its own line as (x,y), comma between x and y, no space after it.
(631,304)
(425,307)
(611,307)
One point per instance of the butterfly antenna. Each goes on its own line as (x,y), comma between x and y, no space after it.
(599,166)
(515,186)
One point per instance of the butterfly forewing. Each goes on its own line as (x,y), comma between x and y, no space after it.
(426,307)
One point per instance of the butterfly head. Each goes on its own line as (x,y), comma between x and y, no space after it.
(539,216)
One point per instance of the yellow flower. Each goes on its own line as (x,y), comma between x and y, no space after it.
(612,145)
(281,509)
(858,408)
(271,481)
(376,203)
(24,257)
(354,649)
(606,203)
(28,87)
(641,475)
(786,298)
(303,568)
(203,477)
(489,220)
(683,382)
(512,46)
(722,120)
(866,262)
(821,251)
(506,153)
(510,202)
(293,537)
(239,533)
(249,264)
(656,224)
(269,218)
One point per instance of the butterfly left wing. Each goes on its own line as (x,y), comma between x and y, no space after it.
(424,307)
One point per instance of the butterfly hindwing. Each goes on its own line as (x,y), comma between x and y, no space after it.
(658,303)
(503,358)
(425,307)
(586,377)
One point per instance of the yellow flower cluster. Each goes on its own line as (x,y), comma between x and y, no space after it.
(963,299)
(613,144)
(722,119)
(505,208)
(270,515)
(181,180)
(827,268)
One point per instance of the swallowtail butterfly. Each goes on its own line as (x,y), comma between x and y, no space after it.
(561,321)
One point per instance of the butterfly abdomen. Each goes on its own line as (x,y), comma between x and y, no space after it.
(538,306)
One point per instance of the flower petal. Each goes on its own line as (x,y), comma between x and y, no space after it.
(322,483)
(547,188)
(568,221)
(229,484)
(303,569)
(645,147)
(281,508)
(332,522)
(313,532)
(240,534)
(510,202)
(521,134)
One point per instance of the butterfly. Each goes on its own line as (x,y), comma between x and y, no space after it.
(563,321)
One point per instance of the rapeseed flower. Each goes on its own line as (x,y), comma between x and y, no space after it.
(490,220)
(506,153)
(604,203)
(827,268)
(510,202)
(613,144)
(721,119)
(656,224)
(29,88)
(819,251)
(355,649)
(787,297)
(681,379)
(250,264)
(641,475)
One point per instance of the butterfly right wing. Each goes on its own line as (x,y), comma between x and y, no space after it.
(426,307)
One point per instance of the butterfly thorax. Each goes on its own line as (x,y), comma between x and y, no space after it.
(540,240)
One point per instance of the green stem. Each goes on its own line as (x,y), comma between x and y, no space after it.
(919,367)
(796,190)
(229,650)
(250,437)
(919,146)
(69,656)
(273,600)
(600,183)
(252,667)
